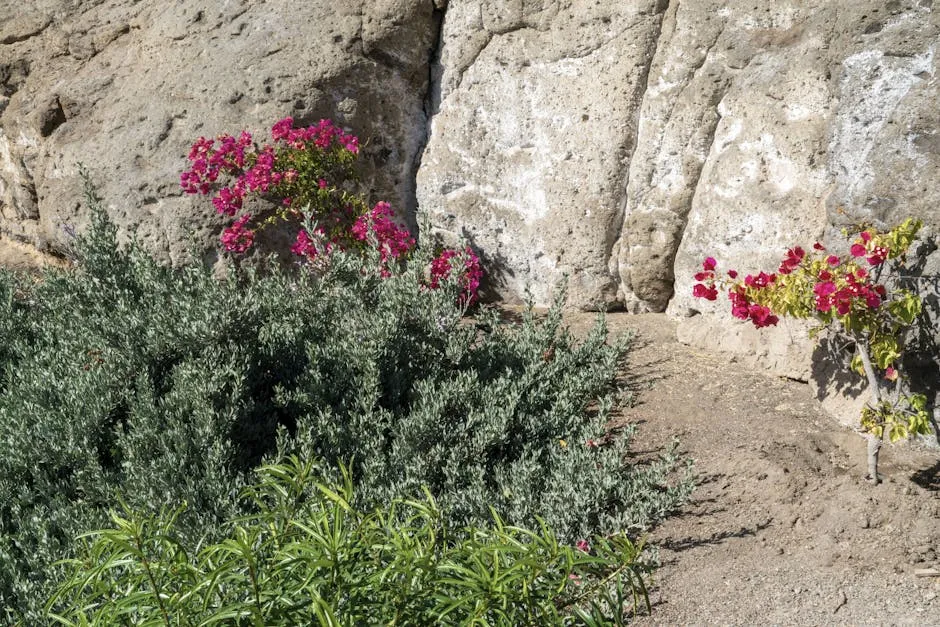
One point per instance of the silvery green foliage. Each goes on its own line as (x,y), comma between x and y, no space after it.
(164,385)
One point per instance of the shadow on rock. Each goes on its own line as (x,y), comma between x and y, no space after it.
(830,371)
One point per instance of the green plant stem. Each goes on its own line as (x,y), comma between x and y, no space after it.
(589,590)
(153,581)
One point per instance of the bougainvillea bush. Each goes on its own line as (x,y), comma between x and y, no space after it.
(303,180)
(127,378)
(861,297)
(307,555)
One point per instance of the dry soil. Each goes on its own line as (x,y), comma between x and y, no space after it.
(783,529)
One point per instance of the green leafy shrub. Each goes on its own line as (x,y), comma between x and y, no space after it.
(307,555)
(125,377)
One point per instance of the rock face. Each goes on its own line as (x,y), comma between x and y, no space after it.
(822,121)
(618,142)
(125,86)
(535,122)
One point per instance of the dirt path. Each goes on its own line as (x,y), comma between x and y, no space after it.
(782,529)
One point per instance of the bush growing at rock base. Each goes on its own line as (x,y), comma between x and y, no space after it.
(863,298)
(163,386)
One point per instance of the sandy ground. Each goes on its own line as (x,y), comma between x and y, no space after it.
(783,529)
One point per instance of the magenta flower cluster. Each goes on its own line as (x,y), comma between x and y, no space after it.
(322,136)
(393,241)
(441,268)
(300,174)
(838,285)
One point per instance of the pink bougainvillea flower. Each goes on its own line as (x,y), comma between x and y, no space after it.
(709,264)
(472,273)
(700,290)
(311,247)
(833,261)
(739,302)
(879,254)
(857,250)
(818,246)
(303,245)
(825,275)
(891,374)
(761,316)
(760,281)
(228,200)
(866,236)
(282,128)
(237,238)
(733,274)
(393,241)
(824,289)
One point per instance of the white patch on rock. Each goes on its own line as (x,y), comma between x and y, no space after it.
(796,112)
(727,133)
(873,85)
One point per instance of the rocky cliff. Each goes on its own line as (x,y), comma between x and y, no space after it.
(614,141)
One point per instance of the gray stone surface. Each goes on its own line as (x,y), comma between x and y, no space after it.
(535,124)
(824,123)
(125,86)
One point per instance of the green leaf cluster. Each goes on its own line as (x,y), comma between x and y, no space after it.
(306,555)
(899,419)
(126,377)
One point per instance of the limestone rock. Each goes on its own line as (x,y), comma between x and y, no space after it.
(125,87)
(822,122)
(535,121)
(617,142)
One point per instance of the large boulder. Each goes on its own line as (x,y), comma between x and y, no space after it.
(617,142)
(823,117)
(125,86)
(535,123)
(828,121)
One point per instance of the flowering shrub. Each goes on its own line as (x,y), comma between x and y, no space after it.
(304,174)
(858,295)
